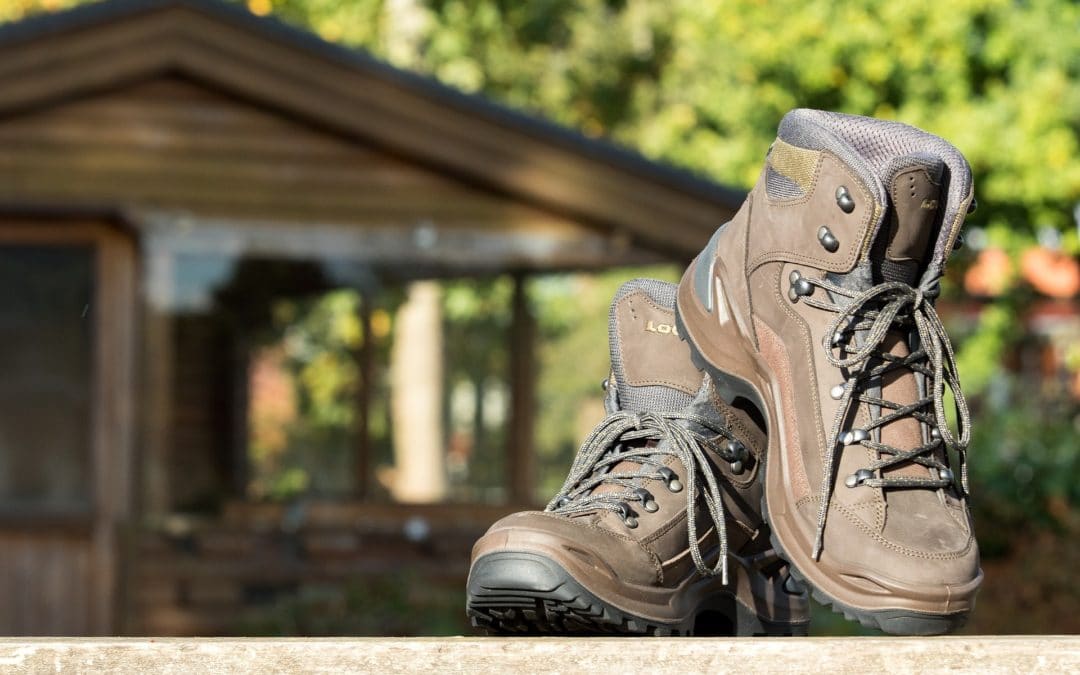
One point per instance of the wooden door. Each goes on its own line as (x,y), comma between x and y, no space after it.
(66,305)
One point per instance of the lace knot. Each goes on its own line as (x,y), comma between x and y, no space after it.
(619,438)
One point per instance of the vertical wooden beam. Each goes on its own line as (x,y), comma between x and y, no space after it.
(520,458)
(236,424)
(82,567)
(156,403)
(114,397)
(366,357)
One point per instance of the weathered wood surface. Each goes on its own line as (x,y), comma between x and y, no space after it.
(202,577)
(59,574)
(171,146)
(170,143)
(982,654)
(350,96)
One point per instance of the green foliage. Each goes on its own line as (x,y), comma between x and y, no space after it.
(1024,467)
(477,319)
(13,10)
(981,357)
(308,357)
(703,85)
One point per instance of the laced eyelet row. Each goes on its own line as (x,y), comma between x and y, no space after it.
(844,200)
(827,239)
(862,475)
(627,436)
(858,478)
(855,436)
(874,312)
(647,501)
(627,514)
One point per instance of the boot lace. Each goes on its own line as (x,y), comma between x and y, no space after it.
(624,436)
(854,343)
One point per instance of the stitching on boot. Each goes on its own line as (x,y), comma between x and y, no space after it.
(861,525)
(746,268)
(914,553)
(774,353)
(619,329)
(856,251)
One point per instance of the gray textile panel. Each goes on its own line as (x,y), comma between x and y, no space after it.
(779,186)
(651,398)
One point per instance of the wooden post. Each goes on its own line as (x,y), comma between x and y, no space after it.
(522,397)
(366,357)
(156,404)
(113,457)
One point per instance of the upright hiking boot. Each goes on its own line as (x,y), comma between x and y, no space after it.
(657,528)
(816,303)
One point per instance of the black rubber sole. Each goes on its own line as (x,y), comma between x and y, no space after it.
(891,621)
(520,593)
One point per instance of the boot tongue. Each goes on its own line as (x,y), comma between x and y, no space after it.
(902,247)
(650,364)
(913,186)
(900,253)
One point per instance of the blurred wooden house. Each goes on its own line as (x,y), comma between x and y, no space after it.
(181,185)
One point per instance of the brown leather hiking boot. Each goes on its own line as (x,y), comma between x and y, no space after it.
(657,528)
(816,302)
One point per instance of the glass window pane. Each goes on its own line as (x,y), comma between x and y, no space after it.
(264,402)
(46,329)
(302,382)
(322,373)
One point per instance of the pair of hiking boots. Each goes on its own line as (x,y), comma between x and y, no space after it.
(776,422)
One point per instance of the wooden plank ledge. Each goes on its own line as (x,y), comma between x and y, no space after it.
(983,654)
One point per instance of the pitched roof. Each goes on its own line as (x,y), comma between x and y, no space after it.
(54,58)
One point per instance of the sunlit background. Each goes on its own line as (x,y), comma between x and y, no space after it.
(320,436)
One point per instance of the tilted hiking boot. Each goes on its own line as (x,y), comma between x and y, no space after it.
(816,302)
(665,485)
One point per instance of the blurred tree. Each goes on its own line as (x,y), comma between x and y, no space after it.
(704,84)
(303,383)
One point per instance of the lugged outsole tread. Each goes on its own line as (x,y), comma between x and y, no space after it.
(568,609)
(564,609)
(548,616)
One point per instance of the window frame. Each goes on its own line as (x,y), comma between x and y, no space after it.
(111,339)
